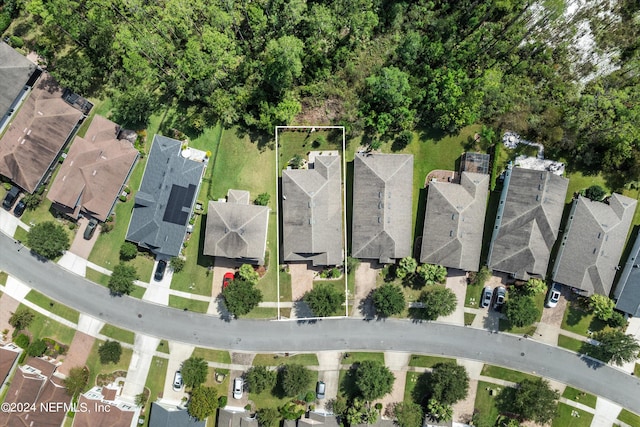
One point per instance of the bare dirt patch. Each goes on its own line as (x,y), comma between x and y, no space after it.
(323,114)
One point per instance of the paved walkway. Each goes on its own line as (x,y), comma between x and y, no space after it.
(302,275)
(457,282)
(329,367)
(159,292)
(397,363)
(80,246)
(365,280)
(178,353)
(143,351)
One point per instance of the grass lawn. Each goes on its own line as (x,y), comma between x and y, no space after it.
(262,313)
(423,361)
(579,181)
(410,383)
(469,318)
(505,326)
(43,327)
(267,399)
(580,396)
(118,334)
(636,370)
(3,277)
(361,356)
(195,278)
(569,343)
(221,388)
(52,306)
(291,143)
(163,347)
(580,321)
(103,279)
(211,355)
(155,381)
(305,359)
(473,296)
(568,416)
(268,284)
(485,403)
(505,374)
(629,418)
(189,304)
(96,368)
(285,286)
(21,234)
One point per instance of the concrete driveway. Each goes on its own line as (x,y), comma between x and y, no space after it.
(302,275)
(80,246)
(143,351)
(158,292)
(457,282)
(329,372)
(178,353)
(366,275)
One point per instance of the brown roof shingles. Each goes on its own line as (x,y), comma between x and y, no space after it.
(36,135)
(94,171)
(7,358)
(95,417)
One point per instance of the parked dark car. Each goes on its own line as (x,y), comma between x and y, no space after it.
(162,266)
(91,228)
(10,198)
(19,209)
(501,293)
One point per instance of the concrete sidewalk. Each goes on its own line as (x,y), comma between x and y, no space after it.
(143,352)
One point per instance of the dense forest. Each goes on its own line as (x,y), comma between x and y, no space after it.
(379,67)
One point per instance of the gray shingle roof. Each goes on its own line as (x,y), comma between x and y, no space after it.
(527,222)
(237,230)
(312,213)
(164,203)
(382,206)
(231,418)
(171,416)
(592,243)
(628,288)
(454,222)
(15,71)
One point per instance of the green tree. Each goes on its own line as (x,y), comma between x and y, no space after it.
(110,352)
(140,399)
(194,372)
(432,274)
(77,380)
(248,273)
(406,266)
(37,348)
(203,402)
(436,301)
(134,106)
(408,414)
(324,300)
(479,278)
(616,347)
(291,410)
(360,412)
(521,311)
(262,199)
(440,411)
(595,192)
(530,400)
(269,417)
(259,378)
(294,379)
(122,279)
(21,319)
(388,300)
(48,239)
(602,306)
(241,298)
(128,251)
(32,201)
(535,286)
(387,101)
(283,62)
(373,380)
(296,161)
(448,383)
(177,264)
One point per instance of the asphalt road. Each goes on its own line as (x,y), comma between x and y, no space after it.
(339,334)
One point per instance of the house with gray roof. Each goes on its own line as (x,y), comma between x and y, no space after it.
(237,229)
(627,293)
(17,77)
(527,222)
(164,202)
(382,206)
(166,415)
(312,211)
(454,222)
(592,243)
(229,417)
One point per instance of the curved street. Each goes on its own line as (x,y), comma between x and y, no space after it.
(335,334)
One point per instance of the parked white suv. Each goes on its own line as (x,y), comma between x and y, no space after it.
(238,385)
(554,296)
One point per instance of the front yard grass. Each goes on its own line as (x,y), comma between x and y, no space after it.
(163,347)
(44,327)
(221,388)
(189,304)
(53,307)
(285,286)
(96,368)
(262,313)
(568,416)
(410,383)
(485,403)
(636,370)
(103,280)
(118,334)
(570,343)
(505,374)
(423,361)
(196,277)
(580,321)
(305,359)
(211,355)
(629,417)
(469,318)
(3,277)
(155,381)
(360,356)
(21,234)
(580,396)
(267,399)
(473,296)
(505,326)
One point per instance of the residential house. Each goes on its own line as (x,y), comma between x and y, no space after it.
(17,77)
(312,213)
(35,138)
(94,172)
(527,222)
(36,385)
(8,356)
(592,243)
(165,415)
(627,291)
(164,204)
(382,206)
(102,407)
(454,222)
(228,417)
(475,162)
(318,419)
(237,229)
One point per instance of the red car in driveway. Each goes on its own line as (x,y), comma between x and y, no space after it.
(227,279)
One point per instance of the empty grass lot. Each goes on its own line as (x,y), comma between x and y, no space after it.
(118,334)
(568,416)
(96,368)
(505,374)
(361,356)
(52,306)
(630,418)
(428,361)
(44,327)
(306,359)
(190,304)
(211,355)
(580,396)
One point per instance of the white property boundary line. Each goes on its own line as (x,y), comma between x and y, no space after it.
(344,212)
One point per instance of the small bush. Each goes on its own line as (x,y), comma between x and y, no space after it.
(128,251)
(16,41)
(107,227)
(127,189)
(72,226)
(177,264)
(22,341)
(222,401)
(595,192)
(5,21)
(37,348)
(247,407)
(310,396)
(122,198)
(7,186)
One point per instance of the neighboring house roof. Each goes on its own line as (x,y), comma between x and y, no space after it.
(592,243)
(34,384)
(382,206)
(475,162)
(319,419)
(164,415)
(8,355)
(37,134)
(627,290)
(236,229)
(15,71)
(94,171)
(527,222)
(312,212)
(164,203)
(118,414)
(231,418)
(454,222)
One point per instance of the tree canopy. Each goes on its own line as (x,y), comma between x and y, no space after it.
(48,239)
(203,402)
(373,380)
(324,300)
(521,310)
(448,383)
(259,378)
(294,379)
(76,381)
(436,301)
(194,371)
(122,279)
(388,300)
(616,347)
(530,400)
(21,318)
(110,352)
(241,297)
